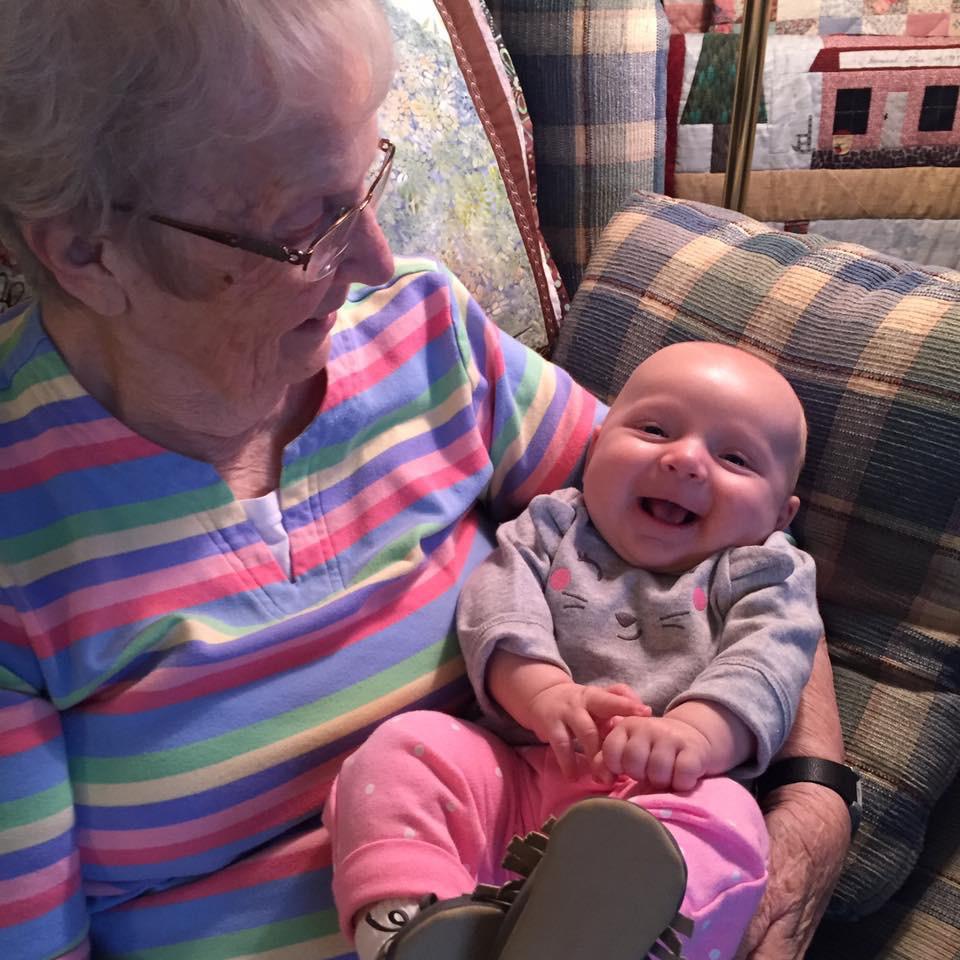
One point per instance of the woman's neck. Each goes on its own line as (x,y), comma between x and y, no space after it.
(163,400)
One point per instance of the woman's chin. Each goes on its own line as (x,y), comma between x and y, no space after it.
(308,344)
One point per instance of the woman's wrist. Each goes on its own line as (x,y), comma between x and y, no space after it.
(821,801)
(819,816)
(842,781)
(809,837)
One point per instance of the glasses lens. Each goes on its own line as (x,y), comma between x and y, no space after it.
(329,252)
(380,185)
(332,246)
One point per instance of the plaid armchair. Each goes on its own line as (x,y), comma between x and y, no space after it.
(872,346)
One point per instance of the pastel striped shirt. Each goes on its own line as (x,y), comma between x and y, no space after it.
(173,707)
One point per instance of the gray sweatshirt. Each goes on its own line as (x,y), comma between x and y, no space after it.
(739,629)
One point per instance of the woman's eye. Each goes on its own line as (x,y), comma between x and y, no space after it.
(653,430)
(341,211)
(301,235)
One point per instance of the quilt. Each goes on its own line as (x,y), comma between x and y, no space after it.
(908,18)
(858,136)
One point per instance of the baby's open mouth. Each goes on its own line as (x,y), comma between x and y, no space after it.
(666,511)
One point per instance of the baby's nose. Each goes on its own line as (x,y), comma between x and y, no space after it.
(685,459)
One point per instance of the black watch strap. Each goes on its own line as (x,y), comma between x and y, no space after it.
(837,776)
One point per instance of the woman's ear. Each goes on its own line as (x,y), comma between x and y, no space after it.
(78,264)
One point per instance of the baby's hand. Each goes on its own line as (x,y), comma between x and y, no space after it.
(605,725)
(567,714)
(625,690)
(661,752)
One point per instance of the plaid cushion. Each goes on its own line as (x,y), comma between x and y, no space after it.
(593,74)
(872,346)
(920,921)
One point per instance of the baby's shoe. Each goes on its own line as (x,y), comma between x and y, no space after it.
(608,883)
(462,928)
(604,882)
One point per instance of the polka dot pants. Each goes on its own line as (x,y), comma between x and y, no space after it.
(429,803)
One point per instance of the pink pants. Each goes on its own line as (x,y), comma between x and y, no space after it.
(429,803)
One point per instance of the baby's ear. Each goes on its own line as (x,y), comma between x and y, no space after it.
(787,512)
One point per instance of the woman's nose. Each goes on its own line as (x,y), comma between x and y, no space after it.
(686,459)
(368,258)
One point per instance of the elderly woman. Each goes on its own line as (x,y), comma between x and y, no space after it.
(239,496)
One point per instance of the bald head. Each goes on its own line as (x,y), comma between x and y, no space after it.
(698,454)
(776,405)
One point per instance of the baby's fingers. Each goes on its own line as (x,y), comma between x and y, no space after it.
(687,770)
(640,709)
(604,704)
(635,754)
(612,750)
(585,731)
(599,770)
(562,745)
(661,764)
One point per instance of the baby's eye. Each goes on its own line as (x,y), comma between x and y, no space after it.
(735,459)
(653,430)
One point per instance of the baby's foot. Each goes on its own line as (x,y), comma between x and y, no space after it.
(463,928)
(382,921)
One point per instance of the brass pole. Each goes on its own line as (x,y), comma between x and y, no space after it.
(746,102)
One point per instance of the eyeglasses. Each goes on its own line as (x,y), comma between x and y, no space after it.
(323,254)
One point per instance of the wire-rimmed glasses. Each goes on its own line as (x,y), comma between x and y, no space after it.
(323,254)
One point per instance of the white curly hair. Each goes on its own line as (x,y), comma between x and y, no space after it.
(107,101)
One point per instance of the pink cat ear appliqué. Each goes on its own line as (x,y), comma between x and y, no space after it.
(699,599)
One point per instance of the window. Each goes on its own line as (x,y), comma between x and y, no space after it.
(852,111)
(939,108)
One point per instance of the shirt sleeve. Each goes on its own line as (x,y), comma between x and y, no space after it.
(503,604)
(766,599)
(535,420)
(42,906)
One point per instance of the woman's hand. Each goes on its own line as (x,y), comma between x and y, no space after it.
(809,834)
